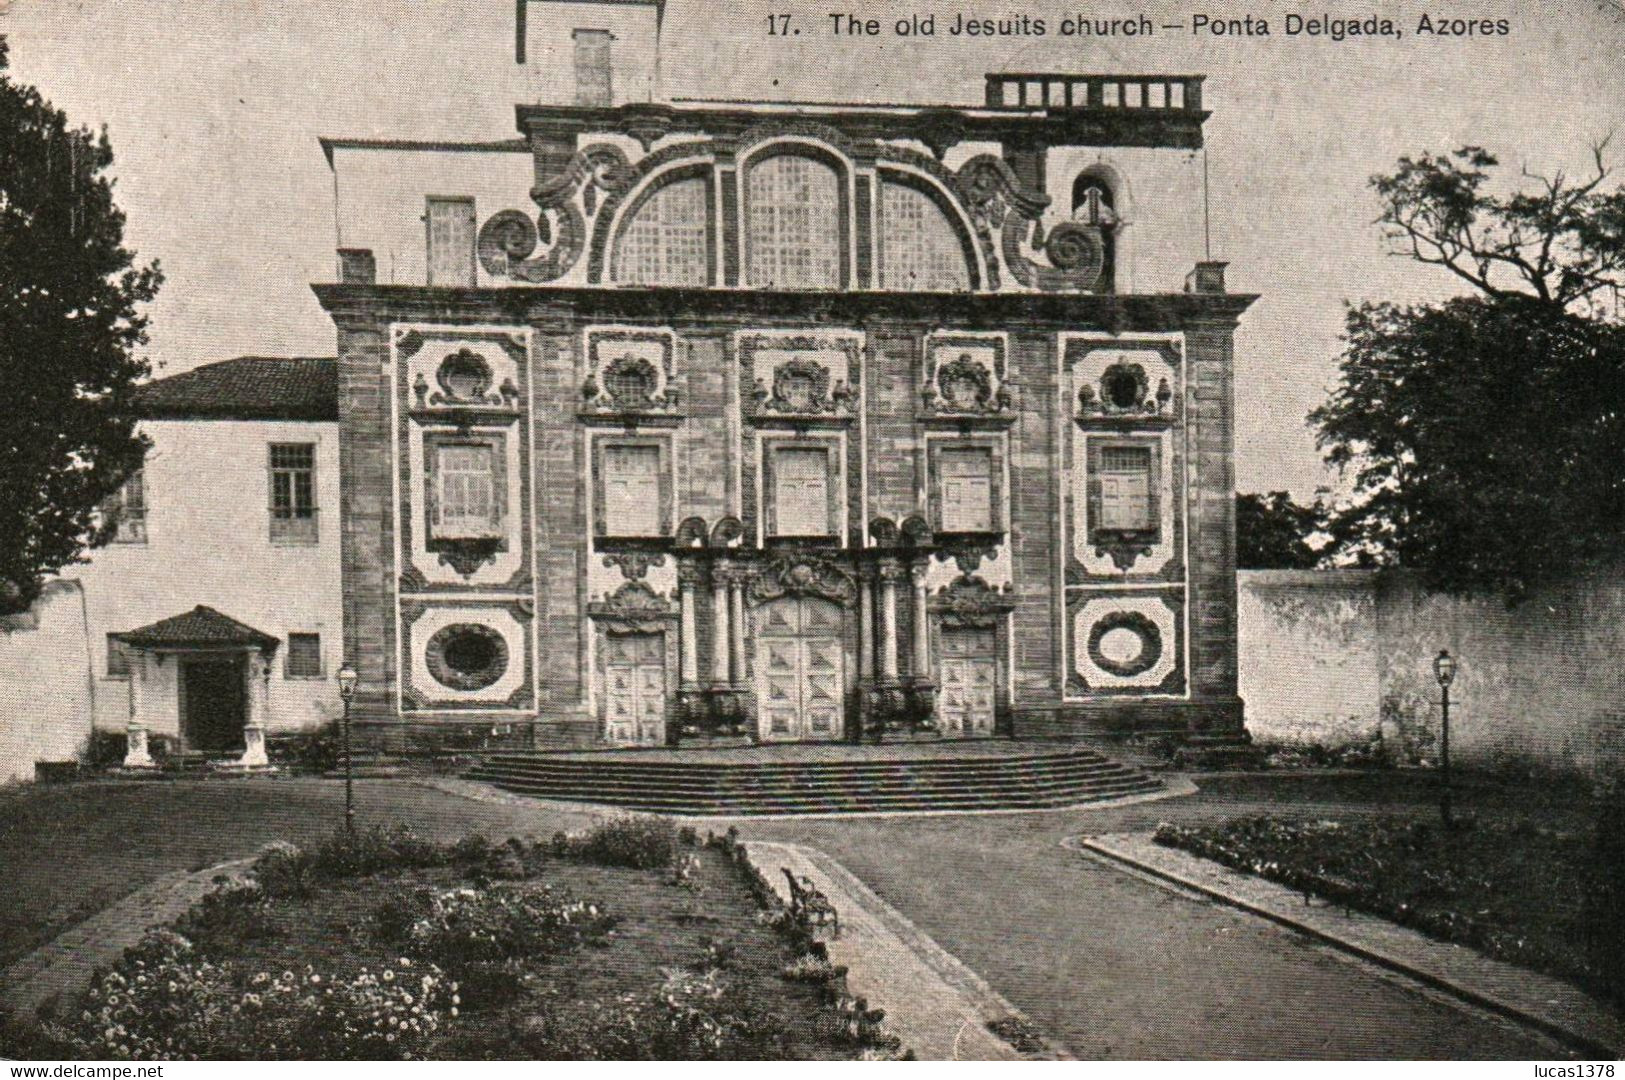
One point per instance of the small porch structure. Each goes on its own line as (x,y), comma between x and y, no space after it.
(221,677)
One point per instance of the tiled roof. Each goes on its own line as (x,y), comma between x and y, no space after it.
(247,388)
(202,626)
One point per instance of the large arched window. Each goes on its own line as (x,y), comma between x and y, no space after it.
(919,249)
(666,241)
(794,227)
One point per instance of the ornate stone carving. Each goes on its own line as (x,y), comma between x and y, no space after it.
(464,378)
(996,198)
(972,603)
(634,608)
(466,555)
(802,576)
(509,238)
(727,532)
(634,564)
(624,380)
(1123,546)
(691,533)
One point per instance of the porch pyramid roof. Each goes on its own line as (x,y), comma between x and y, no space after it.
(202,627)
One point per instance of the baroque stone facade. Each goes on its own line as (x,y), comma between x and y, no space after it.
(792,424)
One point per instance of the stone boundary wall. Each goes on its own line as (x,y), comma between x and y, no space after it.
(1336,657)
(45,687)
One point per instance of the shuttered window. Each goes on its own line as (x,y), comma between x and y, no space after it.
(468,493)
(632,490)
(451,242)
(1125,487)
(966,484)
(801,492)
(304,659)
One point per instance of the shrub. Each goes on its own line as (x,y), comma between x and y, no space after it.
(1019,1033)
(227,916)
(163,1002)
(367,851)
(459,928)
(284,869)
(694,1016)
(317,751)
(637,843)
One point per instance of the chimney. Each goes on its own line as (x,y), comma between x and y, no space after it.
(594,72)
(593,53)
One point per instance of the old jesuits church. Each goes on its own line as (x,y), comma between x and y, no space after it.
(696,423)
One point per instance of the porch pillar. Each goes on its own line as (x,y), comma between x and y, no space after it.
(720,637)
(922,624)
(890,571)
(737,642)
(136,754)
(257,694)
(686,639)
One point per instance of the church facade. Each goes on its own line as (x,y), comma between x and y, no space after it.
(694,423)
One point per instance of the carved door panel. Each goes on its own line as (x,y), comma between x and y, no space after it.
(801,669)
(635,689)
(970,677)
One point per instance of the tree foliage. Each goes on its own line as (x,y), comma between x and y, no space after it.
(69,328)
(1274,533)
(1485,435)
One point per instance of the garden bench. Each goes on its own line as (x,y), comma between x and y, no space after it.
(810,907)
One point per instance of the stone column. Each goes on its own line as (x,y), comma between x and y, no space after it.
(890,572)
(688,635)
(737,642)
(136,755)
(720,637)
(922,624)
(257,693)
(867,654)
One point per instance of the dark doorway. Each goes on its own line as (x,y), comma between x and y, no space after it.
(212,704)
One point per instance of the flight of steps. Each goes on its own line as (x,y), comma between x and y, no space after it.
(1025,781)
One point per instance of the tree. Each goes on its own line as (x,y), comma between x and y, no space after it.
(1273,532)
(1486,434)
(69,328)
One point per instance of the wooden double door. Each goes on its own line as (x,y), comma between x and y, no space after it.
(800,669)
(635,689)
(969,681)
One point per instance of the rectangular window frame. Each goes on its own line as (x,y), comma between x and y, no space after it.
(294,514)
(495,528)
(835,487)
(465,276)
(1152,531)
(994,447)
(118,658)
(594,66)
(288,665)
(600,470)
(129,516)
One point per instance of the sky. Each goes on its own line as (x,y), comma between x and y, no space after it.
(214,110)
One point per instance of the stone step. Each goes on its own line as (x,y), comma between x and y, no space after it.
(754,785)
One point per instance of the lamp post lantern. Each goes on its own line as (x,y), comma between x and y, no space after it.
(347,681)
(1444,670)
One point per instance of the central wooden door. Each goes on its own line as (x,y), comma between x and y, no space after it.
(970,677)
(213,704)
(800,669)
(635,689)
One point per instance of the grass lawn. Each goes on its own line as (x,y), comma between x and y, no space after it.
(642,947)
(1536,889)
(68,851)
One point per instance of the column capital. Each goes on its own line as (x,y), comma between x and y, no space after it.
(890,569)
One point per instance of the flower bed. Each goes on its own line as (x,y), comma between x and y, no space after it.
(1515,889)
(384,945)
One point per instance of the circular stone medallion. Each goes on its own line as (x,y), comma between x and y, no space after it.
(1125,644)
(467,656)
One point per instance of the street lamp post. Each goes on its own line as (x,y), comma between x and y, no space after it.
(347,681)
(1444,669)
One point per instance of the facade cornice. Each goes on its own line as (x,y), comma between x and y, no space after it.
(1171,128)
(686,308)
